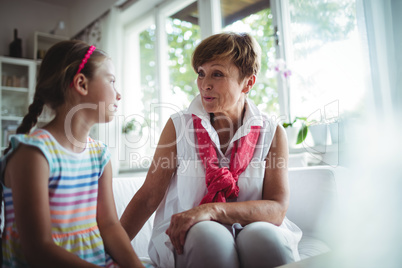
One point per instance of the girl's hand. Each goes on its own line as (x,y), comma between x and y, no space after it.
(182,222)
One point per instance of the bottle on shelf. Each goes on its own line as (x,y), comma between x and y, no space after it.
(16,46)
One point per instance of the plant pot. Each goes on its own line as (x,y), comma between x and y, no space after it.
(292,132)
(334,132)
(319,134)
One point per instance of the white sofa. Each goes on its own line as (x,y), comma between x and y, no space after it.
(313,206)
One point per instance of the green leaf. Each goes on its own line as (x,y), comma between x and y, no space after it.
(301,118)
(285,125)
(301,136)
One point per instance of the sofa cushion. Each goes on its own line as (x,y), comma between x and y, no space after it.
(310,246)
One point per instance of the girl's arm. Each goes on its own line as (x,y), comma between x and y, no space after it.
(27,173)
(149,196)
(115,238)
(272,208)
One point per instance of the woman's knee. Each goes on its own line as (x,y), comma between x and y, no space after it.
(262,232)
(261,244)
(208,230)
(208,236)
(208,244)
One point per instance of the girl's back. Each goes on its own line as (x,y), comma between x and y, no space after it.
(73,188)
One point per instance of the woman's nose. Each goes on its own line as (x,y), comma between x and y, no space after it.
(118,96)
(206,84)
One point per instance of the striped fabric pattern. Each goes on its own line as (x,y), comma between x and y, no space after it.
(73,191)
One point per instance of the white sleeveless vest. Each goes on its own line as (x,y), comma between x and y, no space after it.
(187,186)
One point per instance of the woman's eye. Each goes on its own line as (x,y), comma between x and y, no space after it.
(218,74)
(200,74)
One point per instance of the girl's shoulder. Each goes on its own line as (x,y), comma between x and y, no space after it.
(38,138)
(99,150)
(92,143)
(97,147)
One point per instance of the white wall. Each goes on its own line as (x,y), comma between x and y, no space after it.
(85,12)
(29,16)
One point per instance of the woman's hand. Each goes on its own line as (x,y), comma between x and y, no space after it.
(182,222)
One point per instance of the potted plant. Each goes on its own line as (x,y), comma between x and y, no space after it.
(131,143)
(295,135)
(132,126)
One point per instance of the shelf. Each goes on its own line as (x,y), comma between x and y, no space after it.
(11,118)
(21,62)
(15,89)
(315,148)
(17,82)
(42,42)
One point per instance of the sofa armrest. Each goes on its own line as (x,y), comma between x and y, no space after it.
(314,201)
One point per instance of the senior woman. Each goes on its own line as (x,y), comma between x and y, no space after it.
(222,199)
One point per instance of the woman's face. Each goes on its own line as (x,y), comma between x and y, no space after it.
(220,87)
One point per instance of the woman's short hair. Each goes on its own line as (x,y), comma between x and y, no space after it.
(240,48)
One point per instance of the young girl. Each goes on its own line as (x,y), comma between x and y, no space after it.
(59,206)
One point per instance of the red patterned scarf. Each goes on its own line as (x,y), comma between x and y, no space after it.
(222,182)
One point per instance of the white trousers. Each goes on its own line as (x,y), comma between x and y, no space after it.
(211,244)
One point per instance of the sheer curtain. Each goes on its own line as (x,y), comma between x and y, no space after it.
(383,28)
(370,235)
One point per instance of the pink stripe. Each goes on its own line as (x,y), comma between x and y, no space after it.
(72,203)
(53,194)
(9,210)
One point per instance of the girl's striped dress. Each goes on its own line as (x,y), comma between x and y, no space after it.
(73,192)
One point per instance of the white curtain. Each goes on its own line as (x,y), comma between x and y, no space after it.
(370,234)
(383,24)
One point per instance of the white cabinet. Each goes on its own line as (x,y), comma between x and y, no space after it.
(17,88)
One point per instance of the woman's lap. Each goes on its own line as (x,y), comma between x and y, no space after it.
(211,244)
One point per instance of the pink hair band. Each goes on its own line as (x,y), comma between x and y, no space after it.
(85,59)
(91,49)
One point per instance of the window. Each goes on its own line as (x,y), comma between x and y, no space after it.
(319,51)
(260,26)
(148,100)
(140,93)
(325,58)
(159,79)
(183,35)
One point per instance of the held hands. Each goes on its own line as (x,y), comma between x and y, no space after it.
(182,222)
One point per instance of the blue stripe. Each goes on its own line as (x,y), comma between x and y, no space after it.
(78,169)
(79,177)
(74,161)
(73,186)
(93,254)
